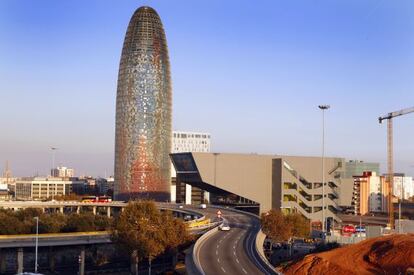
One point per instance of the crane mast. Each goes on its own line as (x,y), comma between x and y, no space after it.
(390,157)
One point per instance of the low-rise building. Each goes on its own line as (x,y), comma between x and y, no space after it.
(402,186)
(62,172)
(370,194)
(104,185)
(38,188)
(259,183)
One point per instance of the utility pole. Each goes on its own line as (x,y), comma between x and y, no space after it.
(37,241)
(53,159)
(323,108)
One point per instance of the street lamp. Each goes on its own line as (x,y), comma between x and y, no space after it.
(323,108)
(37,241)
(53,159)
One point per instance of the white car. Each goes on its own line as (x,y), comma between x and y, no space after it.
(203,206)
(224,227)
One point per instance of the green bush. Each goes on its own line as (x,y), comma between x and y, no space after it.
(23,222)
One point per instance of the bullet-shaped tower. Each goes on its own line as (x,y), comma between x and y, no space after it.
(143,111)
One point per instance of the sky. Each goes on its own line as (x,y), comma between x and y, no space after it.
(251,73)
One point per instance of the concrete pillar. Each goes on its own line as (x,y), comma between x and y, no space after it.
(61,210)
(108,211)
(78,208)
(134,263)
(3,263)
(51,258)
(94,210)
(20,260)
(82,261)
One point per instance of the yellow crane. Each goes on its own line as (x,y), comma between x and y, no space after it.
(390,157)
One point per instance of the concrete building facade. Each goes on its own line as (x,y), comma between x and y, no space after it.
(403,187)
(43,188)
(291,183)
(62,172)
(188,142)
(370,194)
(358,167)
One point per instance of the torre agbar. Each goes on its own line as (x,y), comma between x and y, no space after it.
(143,112)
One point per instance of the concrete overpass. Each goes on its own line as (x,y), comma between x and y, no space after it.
(198,222)
(106,208)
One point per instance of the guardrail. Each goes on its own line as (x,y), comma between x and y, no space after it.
(196,248)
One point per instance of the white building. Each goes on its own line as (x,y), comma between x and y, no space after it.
(188,142)
(403,186)
(38,188)
(63,172)
(375,193)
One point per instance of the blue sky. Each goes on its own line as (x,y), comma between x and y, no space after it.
(249,72)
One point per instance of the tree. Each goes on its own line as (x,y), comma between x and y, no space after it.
(145,232)
(10,224)
(51,223)
(280,227)
(275,226)
(79,223)
(300,225)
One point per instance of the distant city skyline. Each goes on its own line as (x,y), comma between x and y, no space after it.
(251,75)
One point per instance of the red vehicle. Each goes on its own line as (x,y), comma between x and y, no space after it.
(104,199)
(96,199)
(348,230)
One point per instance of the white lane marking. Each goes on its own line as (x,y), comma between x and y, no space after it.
(218,260)
(220,240)
(216,252)
(234,253)
(223,269)
(237,260)
(244,270)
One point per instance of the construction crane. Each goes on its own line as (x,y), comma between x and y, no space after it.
(390,157)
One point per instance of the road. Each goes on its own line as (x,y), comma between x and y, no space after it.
(232,252)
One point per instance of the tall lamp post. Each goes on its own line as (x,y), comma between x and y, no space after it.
(53,159)
(37,241)
(323,108)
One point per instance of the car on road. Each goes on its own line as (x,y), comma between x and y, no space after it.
(203,206)
(224,227)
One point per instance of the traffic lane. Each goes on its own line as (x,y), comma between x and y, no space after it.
(246,244)
(219,255)
(244,257)
(237,251)
(210,254)
(227,251)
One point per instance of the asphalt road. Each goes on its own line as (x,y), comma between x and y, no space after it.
(231,252)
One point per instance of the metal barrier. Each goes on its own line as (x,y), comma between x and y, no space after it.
(196,248)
